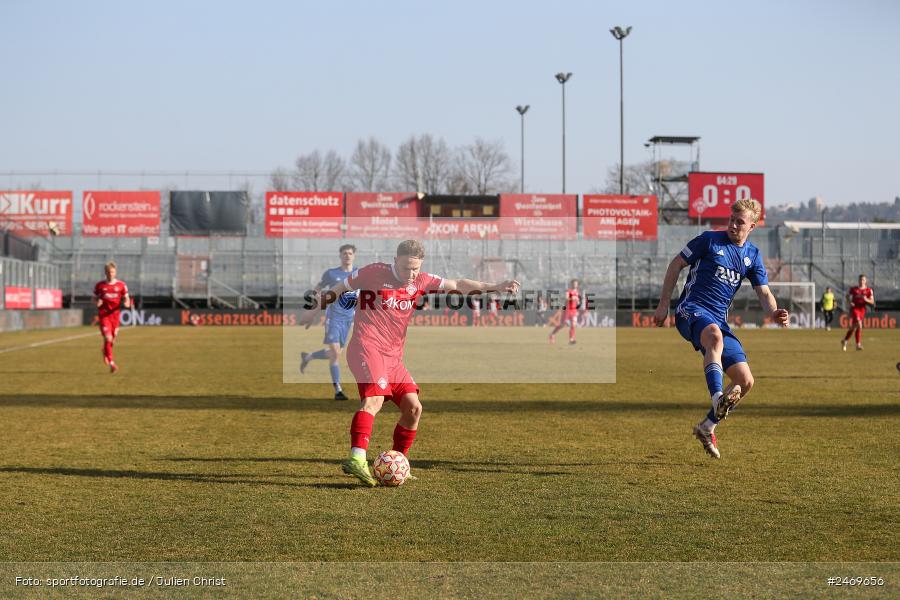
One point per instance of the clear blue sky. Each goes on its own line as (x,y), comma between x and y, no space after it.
(807,92)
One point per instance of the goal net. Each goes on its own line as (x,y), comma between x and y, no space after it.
(798,297)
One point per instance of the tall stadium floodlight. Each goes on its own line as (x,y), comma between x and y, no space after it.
(522,110)
(620,34)
(562,78)
(671,177)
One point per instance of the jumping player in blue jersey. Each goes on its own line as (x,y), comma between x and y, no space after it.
(719,261)
(338,319)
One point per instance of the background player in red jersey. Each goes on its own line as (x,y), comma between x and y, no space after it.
(387,299)
(573,302)
(859,297)
(110,296)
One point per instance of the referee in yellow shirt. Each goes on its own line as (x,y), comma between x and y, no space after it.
(828,307)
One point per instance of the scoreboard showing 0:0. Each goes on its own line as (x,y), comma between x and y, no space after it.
(714,193)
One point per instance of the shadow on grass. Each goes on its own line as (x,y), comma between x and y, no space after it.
(493,405)
(448,465)
(214,478)
(243,479)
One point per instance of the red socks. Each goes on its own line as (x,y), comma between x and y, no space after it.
(361,429)
(403,438)
(107,351)
(858,335)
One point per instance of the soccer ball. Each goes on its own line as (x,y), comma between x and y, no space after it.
(391,468)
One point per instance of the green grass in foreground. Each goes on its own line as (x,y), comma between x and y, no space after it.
(196,451)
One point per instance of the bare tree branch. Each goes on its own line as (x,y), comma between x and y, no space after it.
(280,180)
(316,173)
(641,178)
(483,167)
(423,164)
(370,166)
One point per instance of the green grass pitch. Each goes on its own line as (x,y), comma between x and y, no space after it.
(196,451)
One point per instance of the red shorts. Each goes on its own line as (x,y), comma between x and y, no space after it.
(378,374)
(857,314)
(109,325)
(571,316)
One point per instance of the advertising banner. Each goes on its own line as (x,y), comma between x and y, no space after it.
(755,318)
(383,215)
(539,216)
(47,298)
(17,297)
(445,228)
(613,217)
(36,213)
(712,194)
(304,214)
(120,214)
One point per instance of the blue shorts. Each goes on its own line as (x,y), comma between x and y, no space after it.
(696,321)
(337,331)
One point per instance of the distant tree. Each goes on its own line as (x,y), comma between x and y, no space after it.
(370,167)
(317,173)
(280,180)
(641,178)
(482,167)
(423,164)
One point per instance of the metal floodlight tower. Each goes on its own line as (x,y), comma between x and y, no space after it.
(522,110)
(562,78)
(620,34)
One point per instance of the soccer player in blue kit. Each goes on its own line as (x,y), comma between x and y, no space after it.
(338,320)
(719,261)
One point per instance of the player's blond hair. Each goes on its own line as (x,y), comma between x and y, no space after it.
(413,248)
(110,265)
(748,205)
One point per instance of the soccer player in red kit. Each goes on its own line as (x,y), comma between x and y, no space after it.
(387,299)
(110,296)
(573,302)
(859,297)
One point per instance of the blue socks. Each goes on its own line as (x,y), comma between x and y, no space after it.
(713,378)
(335,369)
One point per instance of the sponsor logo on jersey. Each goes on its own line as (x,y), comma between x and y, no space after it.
(733,278)
(395,303)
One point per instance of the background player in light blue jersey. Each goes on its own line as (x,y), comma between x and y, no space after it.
(719,261)
(338,319)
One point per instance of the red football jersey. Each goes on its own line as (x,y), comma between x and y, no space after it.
(858,296)
(385,305)
(111,294)
(573,299)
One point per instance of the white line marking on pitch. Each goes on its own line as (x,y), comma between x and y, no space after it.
(47,342)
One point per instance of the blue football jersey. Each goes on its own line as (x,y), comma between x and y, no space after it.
(344,307)
(718,267)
